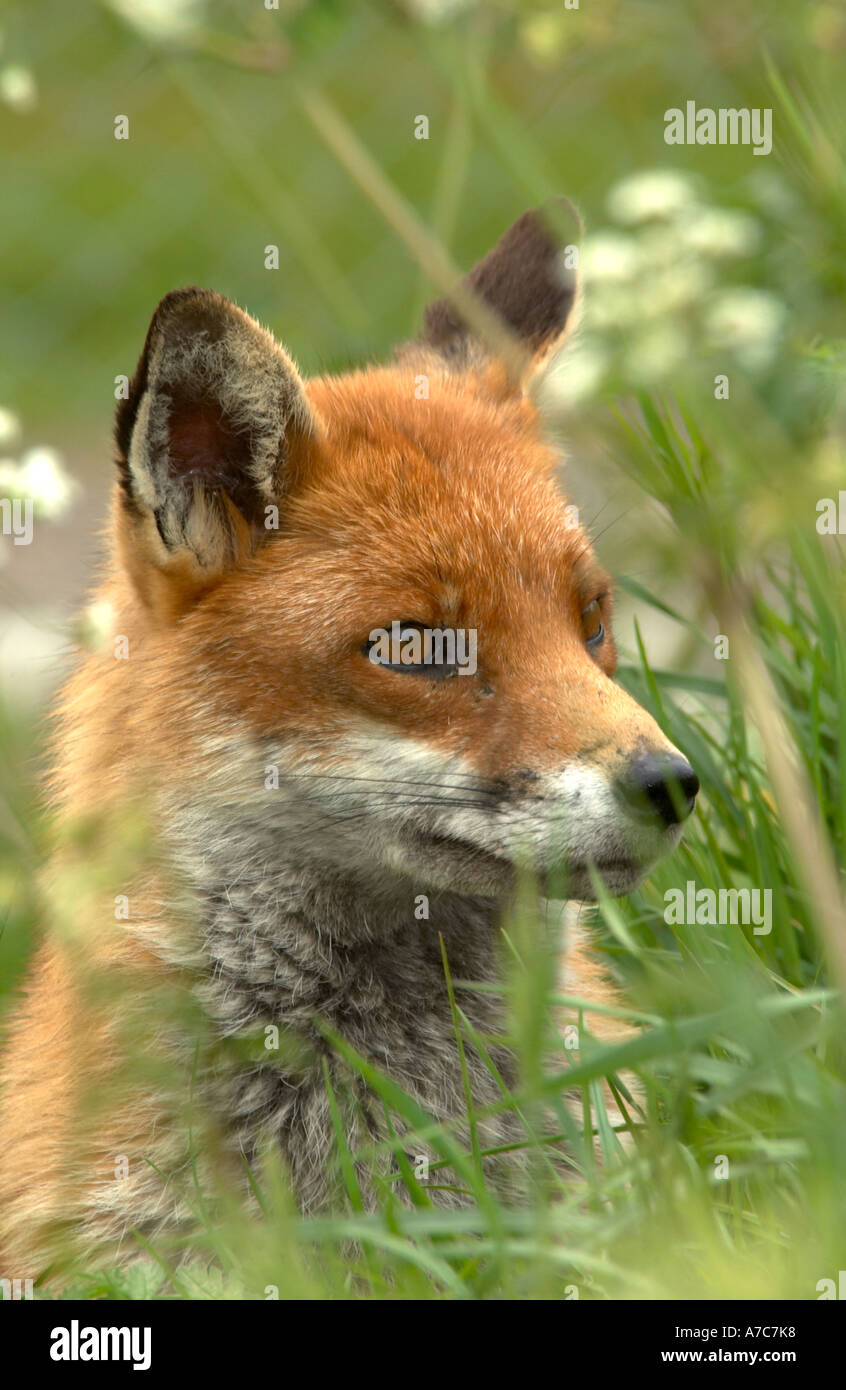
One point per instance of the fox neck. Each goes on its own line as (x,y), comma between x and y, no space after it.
(285,944)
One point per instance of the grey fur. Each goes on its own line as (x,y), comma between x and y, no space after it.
(297,927)
(385,995)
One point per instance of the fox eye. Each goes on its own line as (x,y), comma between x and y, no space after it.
(592,625)
(408,634)
(395,646)
(399,647)
(413,649)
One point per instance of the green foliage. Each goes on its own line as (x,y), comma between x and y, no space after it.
(725,1181)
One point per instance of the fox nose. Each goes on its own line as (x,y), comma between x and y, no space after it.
(660,785)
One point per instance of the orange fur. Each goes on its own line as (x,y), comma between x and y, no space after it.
(264,641)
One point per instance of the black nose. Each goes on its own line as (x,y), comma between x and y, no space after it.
(661,785)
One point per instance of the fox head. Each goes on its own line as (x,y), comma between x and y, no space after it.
(310,566)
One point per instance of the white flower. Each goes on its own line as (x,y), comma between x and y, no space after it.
(160,19)
(655,193)
(17,88)
(609,256)
(750,322)
(42,477)
(435,11)
(674,288)
(717,232)
(659,245)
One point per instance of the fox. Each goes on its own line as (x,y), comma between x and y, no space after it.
(261,809)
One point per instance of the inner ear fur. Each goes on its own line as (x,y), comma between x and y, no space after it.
(213,432)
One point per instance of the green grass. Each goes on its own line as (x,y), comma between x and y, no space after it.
(729,1183)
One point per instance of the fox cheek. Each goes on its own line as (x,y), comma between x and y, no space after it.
(211,436)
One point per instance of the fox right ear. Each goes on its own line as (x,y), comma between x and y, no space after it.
(529,279)
(212,431)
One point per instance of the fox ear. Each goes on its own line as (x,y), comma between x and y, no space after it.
(214,424)
(529,279)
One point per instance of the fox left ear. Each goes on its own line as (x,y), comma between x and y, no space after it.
(210,436)
(529,279)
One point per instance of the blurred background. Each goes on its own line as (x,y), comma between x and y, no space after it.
(315,160)
(691,252)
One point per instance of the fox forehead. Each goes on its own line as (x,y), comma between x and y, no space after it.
(443,493)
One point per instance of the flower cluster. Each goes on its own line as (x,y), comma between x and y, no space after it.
(653,297)
(38,474)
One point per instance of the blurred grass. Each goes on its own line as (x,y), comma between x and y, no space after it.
(222,161)
(741,1053)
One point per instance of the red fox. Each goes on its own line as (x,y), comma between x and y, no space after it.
(300,574)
